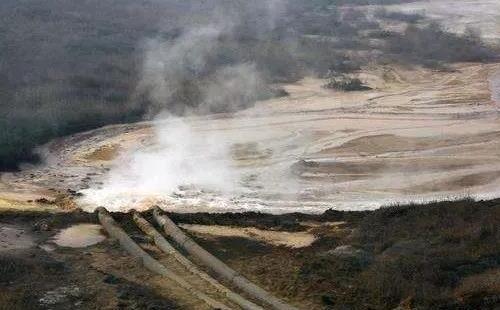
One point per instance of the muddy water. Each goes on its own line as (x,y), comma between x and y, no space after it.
(79,236)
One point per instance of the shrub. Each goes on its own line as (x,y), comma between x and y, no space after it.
(346,83)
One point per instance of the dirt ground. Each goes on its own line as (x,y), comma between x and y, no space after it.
(440,255)
(44,275)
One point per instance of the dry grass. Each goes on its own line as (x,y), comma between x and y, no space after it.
(487,282)
(17,299)
(440,255)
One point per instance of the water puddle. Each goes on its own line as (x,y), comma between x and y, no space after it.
(79,236)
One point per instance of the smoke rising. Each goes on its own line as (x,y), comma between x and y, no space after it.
(167,65)
(179,157)
(187,75)
(232,88)
(184,77)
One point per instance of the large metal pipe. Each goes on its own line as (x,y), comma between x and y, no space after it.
(149,262)
(166,247)
(217,265)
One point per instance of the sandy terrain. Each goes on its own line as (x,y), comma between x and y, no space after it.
(288,239)
(419,135)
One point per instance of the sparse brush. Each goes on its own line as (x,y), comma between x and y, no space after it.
(12,267)
(346,83)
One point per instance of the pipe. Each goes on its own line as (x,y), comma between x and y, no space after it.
(217,265)
(149,262)
(166,247)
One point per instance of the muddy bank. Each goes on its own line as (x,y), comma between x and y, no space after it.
(46,276)
(437,255)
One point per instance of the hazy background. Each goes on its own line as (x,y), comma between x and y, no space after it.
(69,66)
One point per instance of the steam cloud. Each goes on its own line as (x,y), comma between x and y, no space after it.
(179,156)
(182,156)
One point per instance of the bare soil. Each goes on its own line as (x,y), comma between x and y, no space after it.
(439,255)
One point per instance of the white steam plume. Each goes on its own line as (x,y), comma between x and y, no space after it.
(178,157)
(168,63)
(181,156)
(231,88)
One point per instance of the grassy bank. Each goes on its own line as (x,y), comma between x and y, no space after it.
(442,255)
